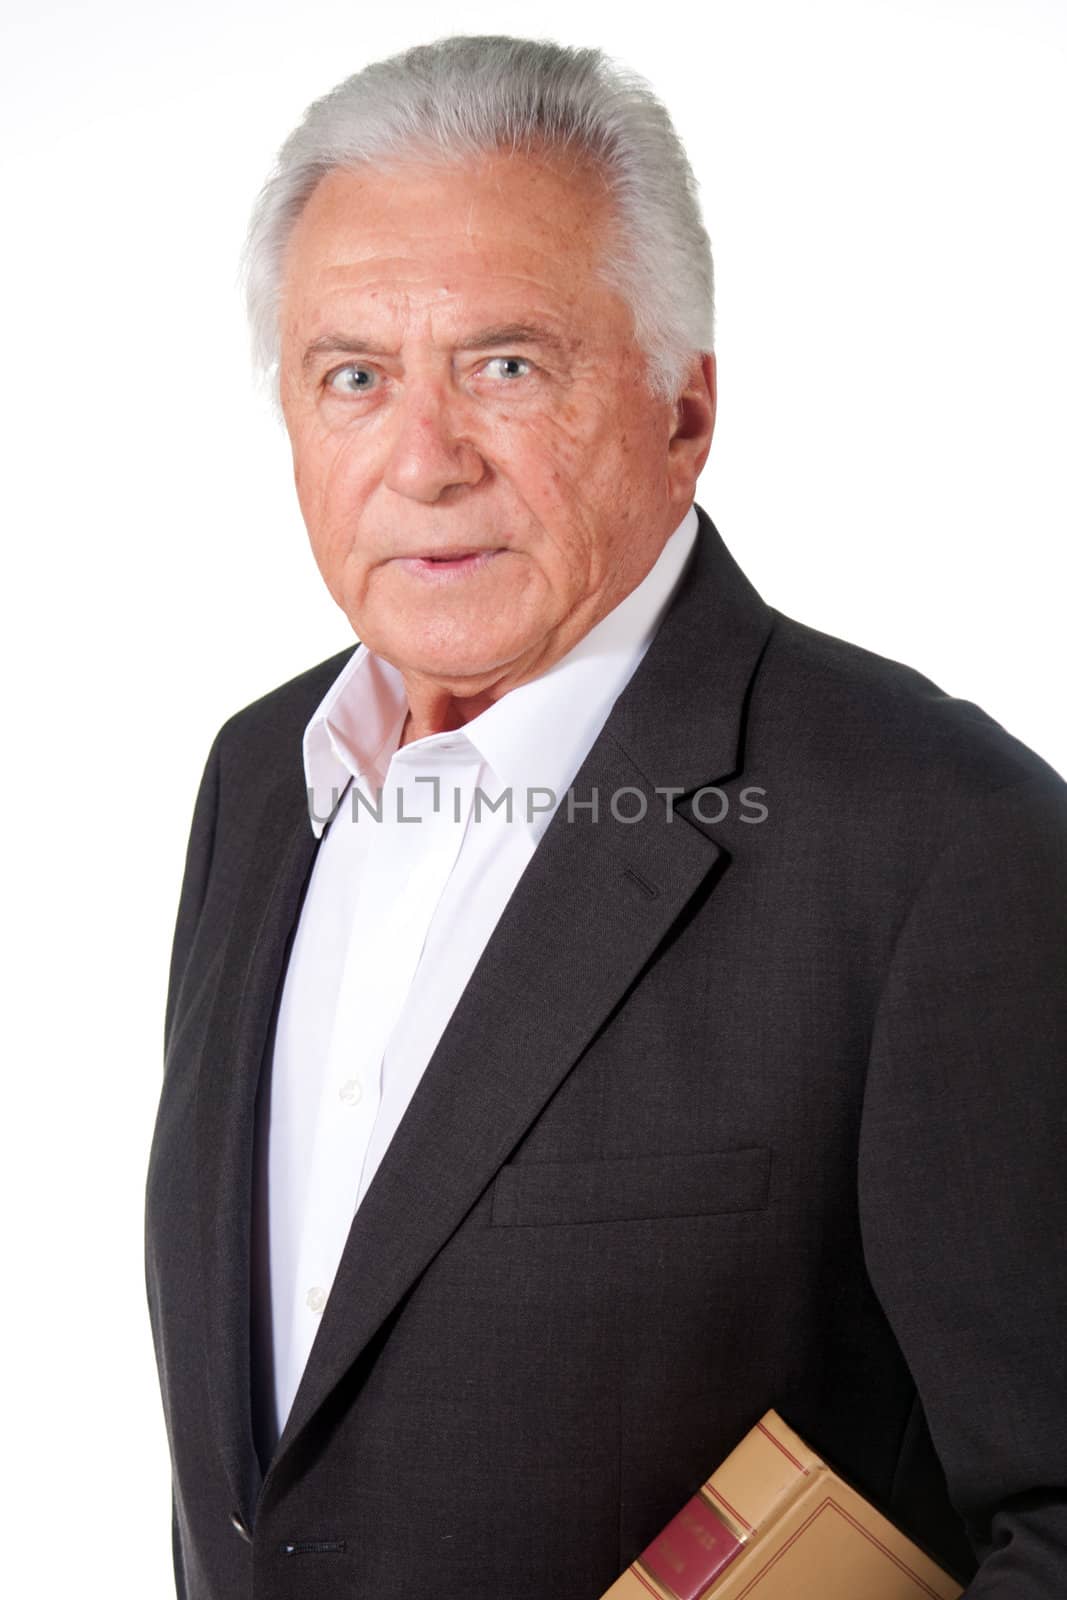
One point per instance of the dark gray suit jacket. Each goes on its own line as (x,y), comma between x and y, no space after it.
(732,1114)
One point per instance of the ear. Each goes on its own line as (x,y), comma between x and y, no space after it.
(692,425)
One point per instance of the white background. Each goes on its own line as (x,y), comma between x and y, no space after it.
(882,182)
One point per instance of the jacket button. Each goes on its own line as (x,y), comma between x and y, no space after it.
(237,1522)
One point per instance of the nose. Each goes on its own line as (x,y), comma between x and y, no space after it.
(428,455)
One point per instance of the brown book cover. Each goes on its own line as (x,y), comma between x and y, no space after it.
(774,1522)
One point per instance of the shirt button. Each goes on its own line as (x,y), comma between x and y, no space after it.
(316,1299)
(351,1092)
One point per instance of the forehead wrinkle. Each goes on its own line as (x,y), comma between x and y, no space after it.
(494,306)
(444,249)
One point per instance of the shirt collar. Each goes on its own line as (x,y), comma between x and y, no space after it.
(535,737)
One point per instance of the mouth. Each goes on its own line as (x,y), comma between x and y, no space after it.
(440,564)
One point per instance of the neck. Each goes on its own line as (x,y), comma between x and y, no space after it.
(440,714)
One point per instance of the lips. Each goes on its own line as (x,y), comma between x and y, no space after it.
(445,566)
(448,555)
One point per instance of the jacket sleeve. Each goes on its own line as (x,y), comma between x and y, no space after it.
(198,856)
(963,1176)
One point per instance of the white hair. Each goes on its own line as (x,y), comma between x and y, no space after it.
(464,96)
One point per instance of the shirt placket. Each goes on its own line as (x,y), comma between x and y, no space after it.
(411,854)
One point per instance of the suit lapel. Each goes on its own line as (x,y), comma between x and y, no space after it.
(594,903)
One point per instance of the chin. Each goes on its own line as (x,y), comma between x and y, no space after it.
(458,665)
(476,657)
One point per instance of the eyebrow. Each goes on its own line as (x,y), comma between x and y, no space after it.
(504,333)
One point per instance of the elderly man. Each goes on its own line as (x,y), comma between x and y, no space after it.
(602,1008)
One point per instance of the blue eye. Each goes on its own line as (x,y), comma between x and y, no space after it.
(510,361)
(352,388)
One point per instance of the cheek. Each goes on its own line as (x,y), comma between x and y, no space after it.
(332,490)
(549,459)
(324,473)
(592,444)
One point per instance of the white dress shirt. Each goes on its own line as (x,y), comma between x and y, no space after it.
(396,915)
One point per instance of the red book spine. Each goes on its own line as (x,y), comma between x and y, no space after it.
(690,1552)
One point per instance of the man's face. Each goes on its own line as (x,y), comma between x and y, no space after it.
(454,378)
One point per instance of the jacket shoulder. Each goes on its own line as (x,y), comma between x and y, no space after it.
(866,719)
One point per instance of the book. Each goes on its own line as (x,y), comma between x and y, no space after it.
(775,1522)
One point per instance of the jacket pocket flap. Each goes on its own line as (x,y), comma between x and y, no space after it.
(690,1183)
